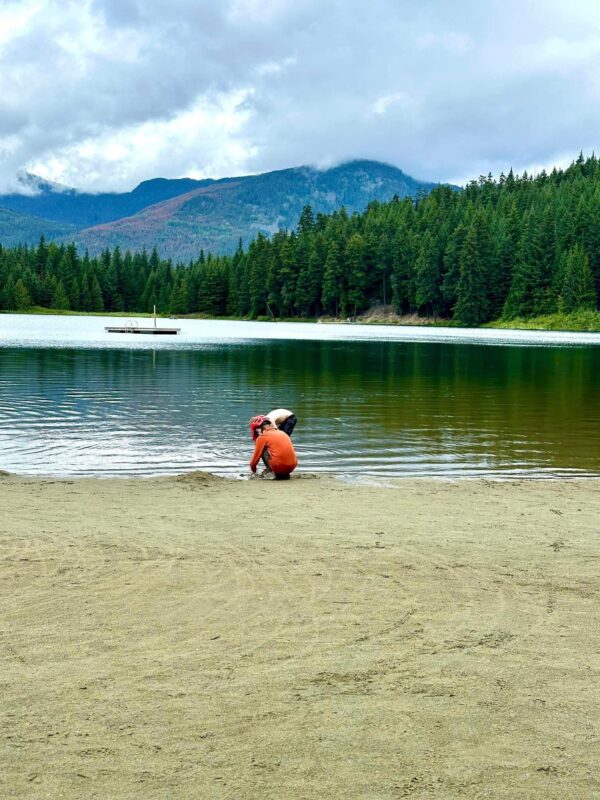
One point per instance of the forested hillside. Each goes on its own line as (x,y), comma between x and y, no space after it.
(513,247)
(16,228)
(215,217)
(75,209)
(180,217)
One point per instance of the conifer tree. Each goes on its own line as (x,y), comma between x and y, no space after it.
(237,284)
(403,293)
(96,299)
(544,301)
(60,300)
(128,284)
(258,260)
(427,275)
(356,273)
(332,281)
(526,277)
(274,274)
(150,295)
(288,276)
(384,261)
(577,284)
(178,298)
(7,297)
(471,297)
(452,266)
(22,298)
(532,244)
(86,298)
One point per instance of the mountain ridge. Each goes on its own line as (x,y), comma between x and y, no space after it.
(182,216)
(18,229)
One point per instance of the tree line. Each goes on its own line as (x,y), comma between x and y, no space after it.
(516,246)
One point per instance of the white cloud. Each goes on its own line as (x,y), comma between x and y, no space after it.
(456,43)
(104,93)
(208,130)
(381,105)
(261,11)
(14,19)
(273,67)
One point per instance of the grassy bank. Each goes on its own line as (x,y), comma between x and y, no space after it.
(61,312)
(577,321)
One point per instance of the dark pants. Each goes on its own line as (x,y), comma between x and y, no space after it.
(279,476)
(289,425)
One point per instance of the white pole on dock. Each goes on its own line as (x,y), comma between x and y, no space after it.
(155,316)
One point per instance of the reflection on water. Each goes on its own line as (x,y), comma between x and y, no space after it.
(380,408)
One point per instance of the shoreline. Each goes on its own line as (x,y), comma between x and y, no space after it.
(64,331)
(359,480)
(199,637)
(369,319)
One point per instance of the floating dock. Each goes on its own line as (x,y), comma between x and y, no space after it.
(138,329)
(133,327)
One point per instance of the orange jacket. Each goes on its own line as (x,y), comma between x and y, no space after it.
(282,456)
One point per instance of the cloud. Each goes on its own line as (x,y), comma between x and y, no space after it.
(102,94)
(199,142)
(382,104)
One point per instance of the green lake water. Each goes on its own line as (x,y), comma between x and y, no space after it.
(75,402)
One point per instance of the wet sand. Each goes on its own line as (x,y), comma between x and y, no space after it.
(196,637)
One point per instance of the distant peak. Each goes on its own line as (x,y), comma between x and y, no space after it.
(366,163)
(31,184)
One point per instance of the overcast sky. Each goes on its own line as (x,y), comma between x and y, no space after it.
(101,94)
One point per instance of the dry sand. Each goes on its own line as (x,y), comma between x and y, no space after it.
(200,638)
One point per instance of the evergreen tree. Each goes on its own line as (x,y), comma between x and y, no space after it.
(113,301)
(60,300)
(213,301)
(527,274)
(7,297)
(427,275)
(96,299)
(237,284)
(577,282)
(149,295)
(288,276)
(355,273)
(331,297)
(258,260)
(519,246)
(384,262)
(452,266)
(403,292)
(471,297)
(306,223)
(179,297)
(22,298)
(128,283)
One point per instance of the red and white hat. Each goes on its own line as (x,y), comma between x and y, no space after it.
(255,424)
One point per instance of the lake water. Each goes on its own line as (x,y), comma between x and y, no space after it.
(376,401)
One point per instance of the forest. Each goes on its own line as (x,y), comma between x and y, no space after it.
(513,247)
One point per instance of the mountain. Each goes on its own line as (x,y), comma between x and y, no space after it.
(216,216)
(62,204)
(19,228)
(182,216)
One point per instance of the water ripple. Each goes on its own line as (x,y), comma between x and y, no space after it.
(365,408)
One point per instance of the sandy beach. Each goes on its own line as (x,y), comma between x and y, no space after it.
(197,637)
